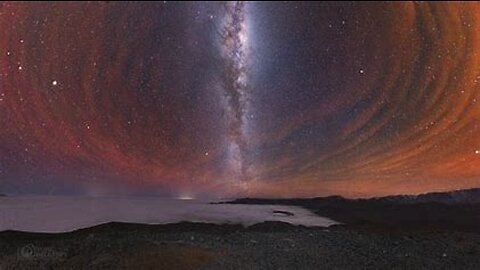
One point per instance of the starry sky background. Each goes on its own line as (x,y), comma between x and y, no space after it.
(239,99)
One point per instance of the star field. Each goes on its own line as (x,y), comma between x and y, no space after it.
(239,98)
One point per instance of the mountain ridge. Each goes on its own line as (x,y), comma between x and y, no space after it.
(467,196)
(446,211)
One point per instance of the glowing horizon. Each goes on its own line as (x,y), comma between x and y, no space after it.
(239,98)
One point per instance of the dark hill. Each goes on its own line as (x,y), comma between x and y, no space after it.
(455,210)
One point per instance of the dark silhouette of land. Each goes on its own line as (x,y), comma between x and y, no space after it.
(448,211)
(432,231)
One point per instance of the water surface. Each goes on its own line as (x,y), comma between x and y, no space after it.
(62,213)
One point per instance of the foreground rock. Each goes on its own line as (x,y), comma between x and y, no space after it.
(270,245)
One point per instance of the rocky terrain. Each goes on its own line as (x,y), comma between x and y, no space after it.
(263,246)
(386,233)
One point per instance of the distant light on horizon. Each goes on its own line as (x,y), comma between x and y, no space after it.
(186,197)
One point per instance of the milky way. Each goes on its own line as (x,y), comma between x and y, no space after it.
(234,43)
(239,98)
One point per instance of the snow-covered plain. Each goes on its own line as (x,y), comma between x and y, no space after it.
(62,213)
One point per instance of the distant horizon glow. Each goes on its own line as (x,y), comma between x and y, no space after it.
(239,99)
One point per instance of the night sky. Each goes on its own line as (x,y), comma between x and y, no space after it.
(239,98)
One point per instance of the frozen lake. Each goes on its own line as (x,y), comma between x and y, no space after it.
(62,213)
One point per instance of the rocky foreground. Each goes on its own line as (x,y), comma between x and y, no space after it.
(436,231)
(269,245)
